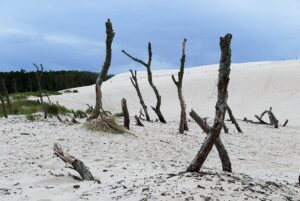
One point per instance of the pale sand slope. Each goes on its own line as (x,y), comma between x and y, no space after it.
(253,88)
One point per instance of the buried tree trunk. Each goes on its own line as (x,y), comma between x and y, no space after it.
(233,119)
(223,80)
(109,39)
(135,84)
(149,73)
(125,113)
(183,122)
(5,93)
(223,154)
(38,74)
(76,164)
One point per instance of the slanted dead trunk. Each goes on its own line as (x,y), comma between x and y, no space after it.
(135,84)
(232,119)
(3,105)
(38,74)
(285,123)
(125,113)
(138,121)
(183,122)
(5,93)
(223,81)
(76,164)
(109,39)
(149,73)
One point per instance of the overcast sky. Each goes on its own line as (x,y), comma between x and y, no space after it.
(70,34)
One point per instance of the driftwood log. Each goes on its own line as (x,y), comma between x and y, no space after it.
(223,81)
(223,154)
(135,84)
(38,74)
(232,119)
(109,39)
(150,80)
(125,113)
(183,121)
(138,121)
(75,164)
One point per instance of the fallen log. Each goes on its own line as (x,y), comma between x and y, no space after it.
(76,164)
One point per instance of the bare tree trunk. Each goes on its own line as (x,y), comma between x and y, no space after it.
(223,154)
(233,119)
(285,123)
(223,80)
(183,122)
(125,113)
(77,165)
(109,39)
(3,106)
(138,121)
(39,73)
(135,84)
(5,93)
(149,73)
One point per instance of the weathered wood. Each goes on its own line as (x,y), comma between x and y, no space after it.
(135,84)
(156,109)
(233,119)
(5,93)
(260,120)
(183,126)
(125,113)
(76,164)
(223,81)
(273,119)
(109,39)
(138,121)
(285,123)
(38,74)
(3,105)
(223,154)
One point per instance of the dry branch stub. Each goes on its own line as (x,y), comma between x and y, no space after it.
(138,121)
(233,119)
(125,113)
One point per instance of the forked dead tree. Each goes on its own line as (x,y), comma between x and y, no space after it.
(149,73)
(5,93)
(135,84)
(38,74)
(223,154)
(109,39)
(125,113)
(3,105)
(183,122)
(223,81)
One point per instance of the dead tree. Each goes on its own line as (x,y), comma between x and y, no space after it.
(3,105)
(76,164)
(38,74)
(183,122)
(135,84)
(149,73)
(285,123)
(223,154)
(272,118)
(5,93)
(109,39)
(232,119)
(138,121)
(125,113)
(223,81)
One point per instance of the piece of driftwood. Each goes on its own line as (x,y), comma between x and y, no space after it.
(285,123)
(125,113)
(183,126)
(138,121)
(223,81)
(75,164)
(233,119)
(223,154)
(156,109)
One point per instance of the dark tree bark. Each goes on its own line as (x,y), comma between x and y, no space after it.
(183,121)
(135,84)
(38,74)
(5,93)
(125,113)
(285,123)
(76,164)
(223,81)
(138,121)
(109,39)
(223,154)
(149,73)
(233,119)
(3,106)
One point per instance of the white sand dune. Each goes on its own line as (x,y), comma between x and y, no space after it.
(253,88)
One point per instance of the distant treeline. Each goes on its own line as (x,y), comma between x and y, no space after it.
(22,81)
